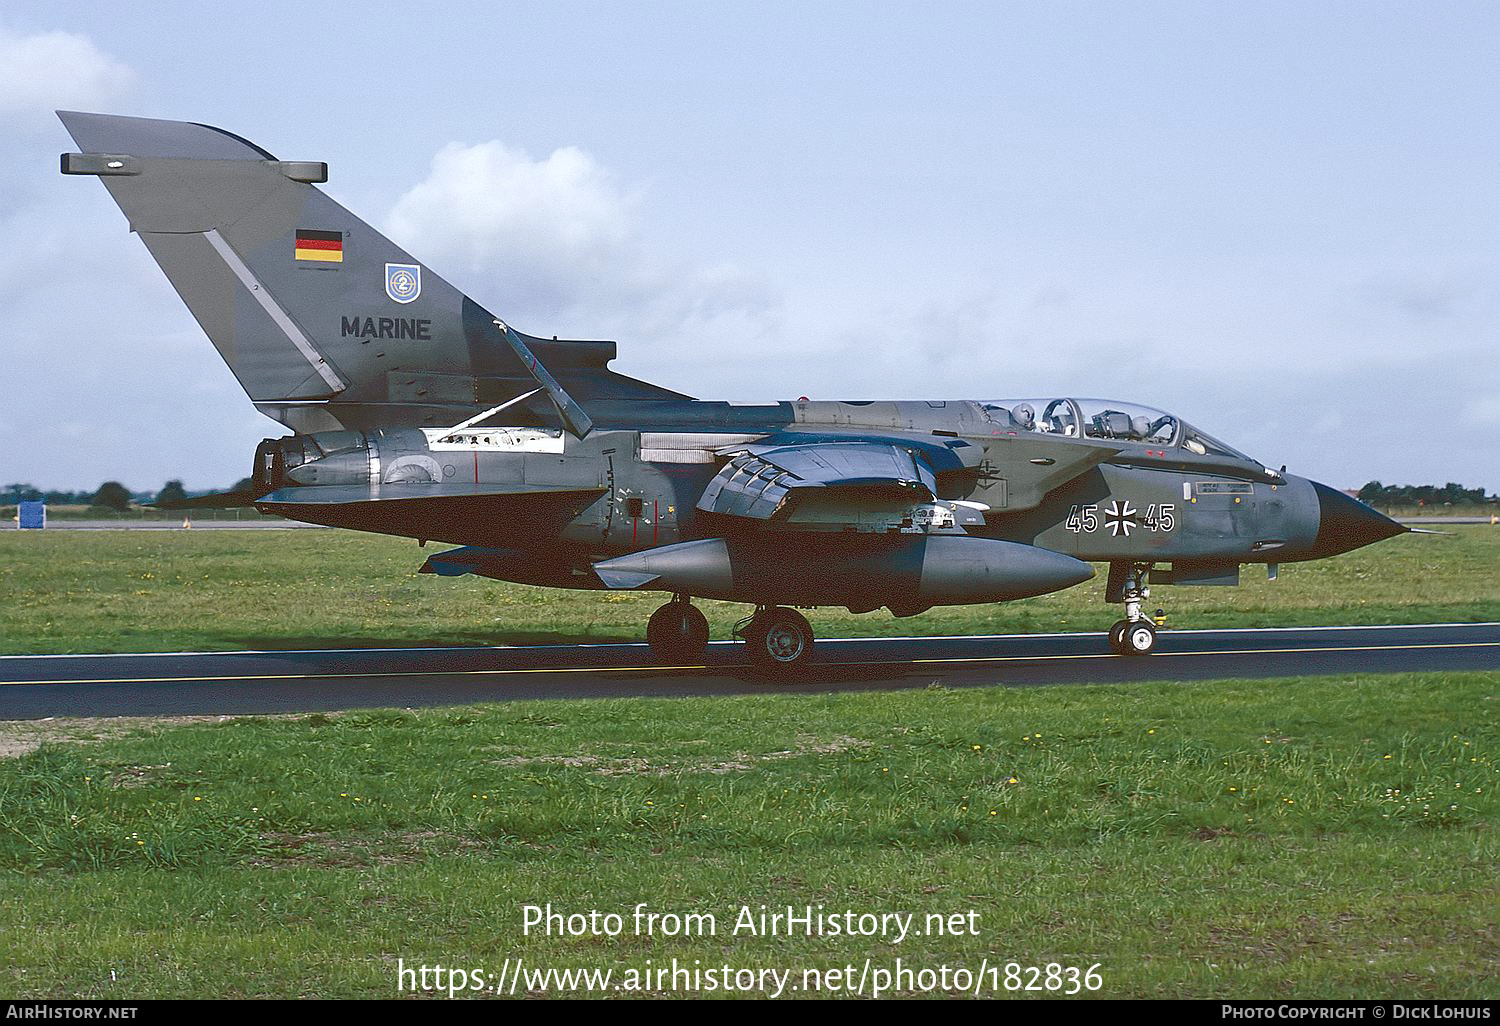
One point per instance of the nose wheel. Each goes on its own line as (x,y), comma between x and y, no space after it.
(1136,634)
(678,632)
(780,640)
(1132,639)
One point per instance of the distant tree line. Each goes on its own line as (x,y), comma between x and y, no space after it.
(14,493)
(1450,494)
(110,495)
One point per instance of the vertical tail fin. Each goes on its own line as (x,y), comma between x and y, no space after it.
(309,306)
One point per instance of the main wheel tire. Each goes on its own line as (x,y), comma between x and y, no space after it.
(677,632)
(1140,639)
(780,640)
(1117,637)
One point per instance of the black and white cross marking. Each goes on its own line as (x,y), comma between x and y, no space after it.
(1120,518)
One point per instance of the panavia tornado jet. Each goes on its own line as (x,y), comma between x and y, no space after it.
(417,412)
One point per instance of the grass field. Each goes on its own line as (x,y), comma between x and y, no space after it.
(1311,837)
(1299,837)
(139,591)
(75,512)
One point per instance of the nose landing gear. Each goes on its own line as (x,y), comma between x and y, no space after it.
(1133,639)
(678,632)
(1136,634)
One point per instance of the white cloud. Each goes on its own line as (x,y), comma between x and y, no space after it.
(555,245)
(114,378)
(491,208)
(45,71)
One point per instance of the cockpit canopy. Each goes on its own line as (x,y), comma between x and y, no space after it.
(1106,419)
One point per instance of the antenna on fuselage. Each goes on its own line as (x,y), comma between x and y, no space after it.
(568,409)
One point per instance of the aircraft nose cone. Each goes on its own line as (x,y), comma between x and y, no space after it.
(1345,524)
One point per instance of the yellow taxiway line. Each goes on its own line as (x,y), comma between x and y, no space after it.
(500,672)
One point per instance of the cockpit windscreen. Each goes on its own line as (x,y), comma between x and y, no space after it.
(1105,419)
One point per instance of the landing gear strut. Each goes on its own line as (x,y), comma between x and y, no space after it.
(1136,634)
(779,639)
(678,632)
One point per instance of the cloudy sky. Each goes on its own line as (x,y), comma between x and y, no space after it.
(1281,221)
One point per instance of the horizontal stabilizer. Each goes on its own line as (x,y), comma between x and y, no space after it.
(463,514)
(233,499)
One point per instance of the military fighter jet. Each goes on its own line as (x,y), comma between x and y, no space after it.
(417,412)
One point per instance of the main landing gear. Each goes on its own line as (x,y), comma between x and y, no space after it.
(1136,634)
(779,639)
(678,632)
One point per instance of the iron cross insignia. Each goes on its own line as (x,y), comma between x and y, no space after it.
(1120,518)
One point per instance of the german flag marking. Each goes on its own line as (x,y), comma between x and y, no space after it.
(327,247)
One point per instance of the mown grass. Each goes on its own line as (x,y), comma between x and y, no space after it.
(87,592)
(104,513)
(1299,837)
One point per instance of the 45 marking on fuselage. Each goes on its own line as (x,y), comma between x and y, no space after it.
(1121,517)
